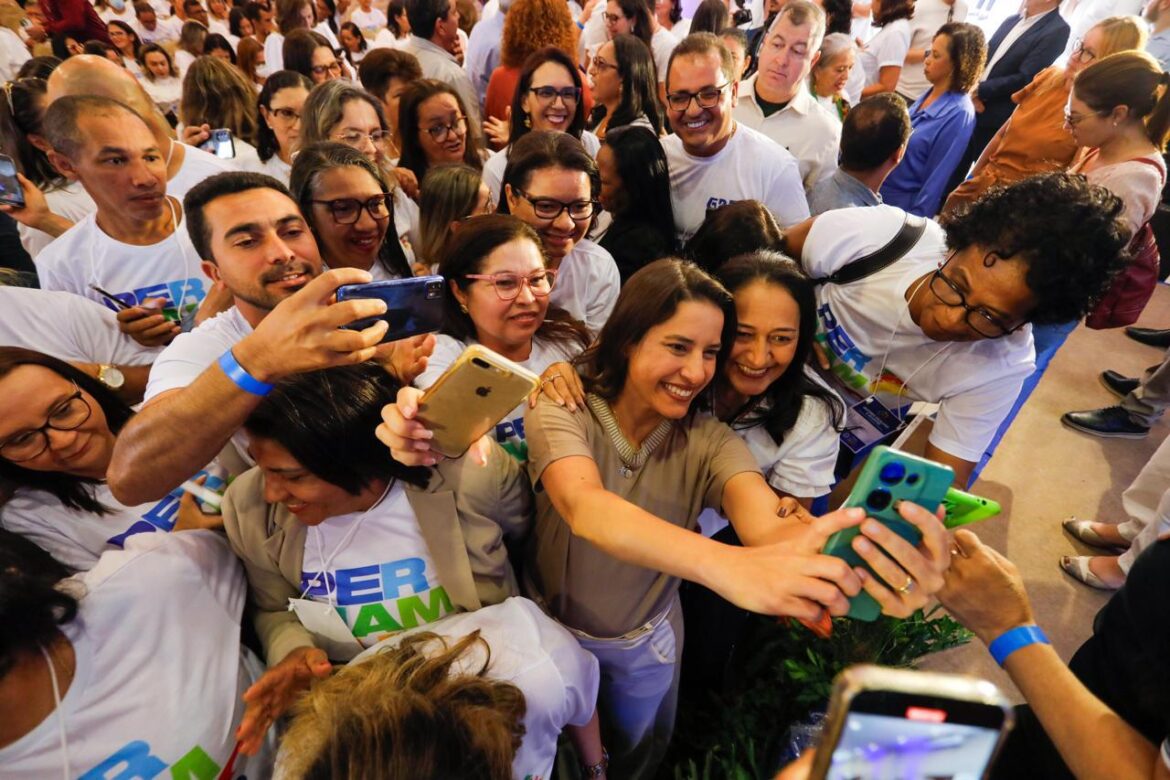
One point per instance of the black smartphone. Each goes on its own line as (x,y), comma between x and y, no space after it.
(121,304)
(413,306)
(11,193)
(220,144)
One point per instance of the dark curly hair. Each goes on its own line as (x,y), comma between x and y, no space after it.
(1066,230)
(968,53)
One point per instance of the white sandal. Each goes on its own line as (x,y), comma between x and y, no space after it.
(1082,531)
(1077,567)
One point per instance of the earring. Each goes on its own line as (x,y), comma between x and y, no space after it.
(527,121)
(463,308)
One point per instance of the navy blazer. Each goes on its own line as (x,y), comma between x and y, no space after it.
(1032,52)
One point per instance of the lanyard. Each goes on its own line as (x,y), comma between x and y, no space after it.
(890,345)
(65,768)
(331,590)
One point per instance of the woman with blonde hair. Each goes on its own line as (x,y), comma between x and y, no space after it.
(450,194)
(250,60)
(1034,140)
(529,26)
(216,95)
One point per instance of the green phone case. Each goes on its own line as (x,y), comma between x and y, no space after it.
(964,508)
(888,476)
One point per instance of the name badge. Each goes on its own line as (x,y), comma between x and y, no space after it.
(329,631)
(867,422)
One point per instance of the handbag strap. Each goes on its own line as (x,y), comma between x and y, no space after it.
(907,236)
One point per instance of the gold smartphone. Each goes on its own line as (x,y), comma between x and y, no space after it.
(901,724)
(472,395)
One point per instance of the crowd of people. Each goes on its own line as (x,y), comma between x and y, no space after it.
(739,250)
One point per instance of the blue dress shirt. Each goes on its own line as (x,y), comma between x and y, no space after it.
(940,136)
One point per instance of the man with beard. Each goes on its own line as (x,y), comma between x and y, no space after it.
(253,241)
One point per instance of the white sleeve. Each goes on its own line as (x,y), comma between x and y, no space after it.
(785,197)
(966,423)
(447,349)
(186,358)
(839,237)
(889,47)
(603,292)
(808,454)
(93,329)
(577,667)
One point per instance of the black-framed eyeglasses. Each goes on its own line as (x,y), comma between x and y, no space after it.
(1080,52)
(333,67)
(550,208)
(347,211)
(285,114)
(439,133)
(978,319)
(708,97)
(550,94)
(69,415)
(508,284)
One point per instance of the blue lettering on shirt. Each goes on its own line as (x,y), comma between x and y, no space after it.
(368,584)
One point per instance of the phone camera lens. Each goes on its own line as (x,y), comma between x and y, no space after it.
(479,363)
(912,479)
(892,473)
(878,499)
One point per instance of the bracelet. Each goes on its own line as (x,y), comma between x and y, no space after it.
(598,769)
(240,376)
(1012,640)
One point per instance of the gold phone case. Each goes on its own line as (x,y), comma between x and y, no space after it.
(472,395)
(865,677)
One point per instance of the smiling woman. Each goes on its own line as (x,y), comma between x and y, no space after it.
(56,441)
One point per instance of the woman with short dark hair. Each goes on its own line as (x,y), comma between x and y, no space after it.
(943,119)
(281,102)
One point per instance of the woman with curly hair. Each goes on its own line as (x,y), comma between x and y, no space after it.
(530,26)
(943,119)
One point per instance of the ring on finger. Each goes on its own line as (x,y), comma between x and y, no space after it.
(909,586)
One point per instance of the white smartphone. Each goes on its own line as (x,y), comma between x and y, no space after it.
(902,724)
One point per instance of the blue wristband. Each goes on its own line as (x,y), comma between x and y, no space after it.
(241,378)
(1010,641)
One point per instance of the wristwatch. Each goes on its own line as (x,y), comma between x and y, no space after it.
(598,769)
(111,377)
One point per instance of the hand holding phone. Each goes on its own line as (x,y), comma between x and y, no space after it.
(413,306)
(220,144)
(11,191)
(889,477)
(146,323)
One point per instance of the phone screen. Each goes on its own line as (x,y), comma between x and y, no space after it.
(913,737)
(10,189)
(220,144)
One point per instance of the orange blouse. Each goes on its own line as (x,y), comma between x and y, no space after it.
(1033,141)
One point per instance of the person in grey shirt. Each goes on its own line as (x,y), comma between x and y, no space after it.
(434,39)
(873,140)
(1157,13)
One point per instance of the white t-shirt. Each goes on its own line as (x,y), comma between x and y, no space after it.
(277,169)
(183,60)
(68,327)
(493,169)
(165,29)
(510,430)
(866,324)
(559,679)
(166,93)
(375,568)
(71,202)
(587,285)
(160,672)
(13,54)
(750,167)
(369,22)
(885,49)
(662,43)
(190,354)
(406,219)
(274,52)
(929,15)
(197,166)
(78,538)
(84,255)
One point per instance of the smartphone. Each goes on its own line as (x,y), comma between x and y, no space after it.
(471,396)
(911,725)
(413,306)
(964,508)
(220,144)
(11,193)
(888,476)
(118,302)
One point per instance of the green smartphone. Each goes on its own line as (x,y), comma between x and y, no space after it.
(888,477)
(964,508)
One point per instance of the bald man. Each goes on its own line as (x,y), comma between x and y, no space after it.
(87,74)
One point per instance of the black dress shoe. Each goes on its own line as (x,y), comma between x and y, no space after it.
(1110,422)
(1153,337)
(1119,384)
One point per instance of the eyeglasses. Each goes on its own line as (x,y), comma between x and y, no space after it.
(69,415)
(600,64)
(355,137)
(978,319)
(550,208)
(1080,52)
(1072,120)
(550,94)
(508,284)
(708,97)
(347,211)
(439,133)
(286,115)
(333,67)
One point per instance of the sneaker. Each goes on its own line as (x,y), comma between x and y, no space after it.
(1152,337)
(1110,422)
(1119,384)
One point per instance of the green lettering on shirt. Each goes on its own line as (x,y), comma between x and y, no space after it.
(373,618)
(196,765)
(411,608)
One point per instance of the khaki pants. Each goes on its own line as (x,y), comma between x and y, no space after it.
(1147,502)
